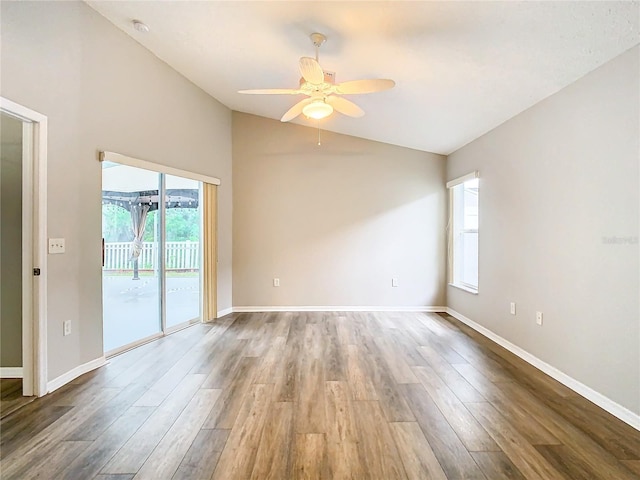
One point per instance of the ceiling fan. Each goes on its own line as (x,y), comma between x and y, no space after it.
(322,91)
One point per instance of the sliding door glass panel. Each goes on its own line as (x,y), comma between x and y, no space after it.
(183,215)
(130,273)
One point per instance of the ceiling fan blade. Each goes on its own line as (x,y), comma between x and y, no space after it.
(311,70)
(345,106)
(271,91)
(296,110)
(365,86)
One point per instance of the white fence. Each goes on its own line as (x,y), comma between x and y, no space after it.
(178,256)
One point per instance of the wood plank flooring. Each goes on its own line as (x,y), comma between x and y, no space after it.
(11,398)
(317,396)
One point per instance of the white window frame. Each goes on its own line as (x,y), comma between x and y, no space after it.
(453,281)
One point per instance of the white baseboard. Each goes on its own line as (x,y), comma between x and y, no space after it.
(226,311)
(603,402)
(343,308)
(10,372)
(65,378)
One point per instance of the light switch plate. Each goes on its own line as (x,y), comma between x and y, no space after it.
(394,282)
(56,246)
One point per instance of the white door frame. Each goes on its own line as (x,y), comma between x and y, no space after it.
(34,246)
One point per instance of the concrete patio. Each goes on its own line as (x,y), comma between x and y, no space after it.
(131,307)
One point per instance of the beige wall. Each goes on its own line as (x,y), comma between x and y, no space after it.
(334,223)
(103,91)
(10,242)
(556,182)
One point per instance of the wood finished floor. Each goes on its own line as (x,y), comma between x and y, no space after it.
(11,398)
(318,396)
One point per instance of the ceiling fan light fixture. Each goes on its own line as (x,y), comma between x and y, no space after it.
(317,110)
(325,94)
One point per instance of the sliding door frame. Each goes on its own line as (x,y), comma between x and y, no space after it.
(162,283)
(162,251)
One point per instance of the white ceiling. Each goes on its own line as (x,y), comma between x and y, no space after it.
(461,68)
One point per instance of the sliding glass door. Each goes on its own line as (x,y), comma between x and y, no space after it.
(151,254)
(182,250)
(130,274)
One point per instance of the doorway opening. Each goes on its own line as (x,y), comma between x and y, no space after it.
(22,254)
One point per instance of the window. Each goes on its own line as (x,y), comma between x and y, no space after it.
(463,233)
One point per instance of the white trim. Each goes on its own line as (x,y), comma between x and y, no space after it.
(464,288)
(40,257)
(26,374)
(462,179)
(74,373)
(18,111)
(156,167)
(590,394)
(344,308)
(161,215)
(11,372)
(35,341)
(201,252)
(226,311)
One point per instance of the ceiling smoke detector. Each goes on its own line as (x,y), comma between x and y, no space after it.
(140,26)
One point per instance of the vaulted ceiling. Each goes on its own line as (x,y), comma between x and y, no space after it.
(461,68)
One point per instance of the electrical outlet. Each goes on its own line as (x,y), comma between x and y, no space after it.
(66,328)
(513,308)
(276,282)
(539,318)
(394,282)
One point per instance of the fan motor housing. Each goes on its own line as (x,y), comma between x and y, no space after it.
(329,79)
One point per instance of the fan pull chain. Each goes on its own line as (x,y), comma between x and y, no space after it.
(319,133)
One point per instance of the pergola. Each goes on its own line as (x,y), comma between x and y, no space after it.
(140,203)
